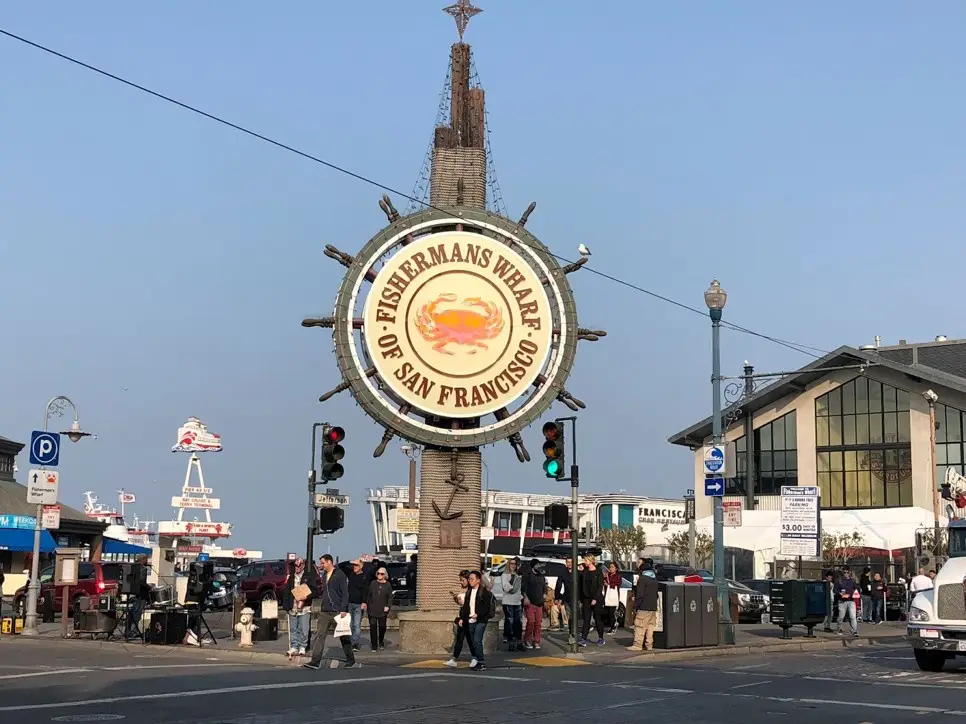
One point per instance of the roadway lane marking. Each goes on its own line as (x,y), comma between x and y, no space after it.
(753,683)
(749,666)
(887,682)
(240,690)
(165,666)
(49,672)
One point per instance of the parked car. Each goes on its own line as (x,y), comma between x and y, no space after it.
(93,579)
(669,571)
(262,580)
(752,604)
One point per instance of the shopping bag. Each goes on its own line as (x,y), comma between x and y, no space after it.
(343,625)
(612,597)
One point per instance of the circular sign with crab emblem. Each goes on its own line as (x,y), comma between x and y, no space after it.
(455,328)
(457,324)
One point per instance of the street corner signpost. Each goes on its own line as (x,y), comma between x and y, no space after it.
(800,522)
(44,448)
(714,487)
(732,513)
(42,487)
(327,499)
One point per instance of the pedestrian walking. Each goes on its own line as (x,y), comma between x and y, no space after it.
(376,607)
(865,594)
(459,627)
(534,589)
(645,606)
(591,600)
(511,583)
(830,601)
(358,583)
(300,586)
(334,596)
(847,591)
(612,596)
(475,613)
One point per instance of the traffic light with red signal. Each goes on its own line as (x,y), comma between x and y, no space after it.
(553,450)
(332,453)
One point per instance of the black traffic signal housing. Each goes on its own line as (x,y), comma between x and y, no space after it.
(553,450)
(556,516)
(332,453)
(329,519)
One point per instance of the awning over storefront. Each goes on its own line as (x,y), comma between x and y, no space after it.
(120,547)
(18,539)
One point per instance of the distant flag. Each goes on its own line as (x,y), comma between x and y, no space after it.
(127,498)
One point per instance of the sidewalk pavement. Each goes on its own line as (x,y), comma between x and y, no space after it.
(750,639)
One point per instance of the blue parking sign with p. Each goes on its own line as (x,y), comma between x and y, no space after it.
(44,448)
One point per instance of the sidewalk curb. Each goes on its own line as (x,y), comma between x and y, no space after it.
(226,652)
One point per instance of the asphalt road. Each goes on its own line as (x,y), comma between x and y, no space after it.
(52,682)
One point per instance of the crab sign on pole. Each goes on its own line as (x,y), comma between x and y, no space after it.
(454,328)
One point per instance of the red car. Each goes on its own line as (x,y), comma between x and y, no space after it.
(93,579)
(262,580)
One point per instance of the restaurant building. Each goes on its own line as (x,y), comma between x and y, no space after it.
(855,423)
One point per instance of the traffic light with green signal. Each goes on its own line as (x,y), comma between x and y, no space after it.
(332,453)
(553,450)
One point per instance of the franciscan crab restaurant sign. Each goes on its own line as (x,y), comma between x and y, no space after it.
(458,325)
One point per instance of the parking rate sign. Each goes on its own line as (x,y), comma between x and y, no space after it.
(800,521)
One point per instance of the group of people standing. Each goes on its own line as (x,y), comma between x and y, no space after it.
(343,599)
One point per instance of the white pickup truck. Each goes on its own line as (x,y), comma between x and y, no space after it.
(937,617)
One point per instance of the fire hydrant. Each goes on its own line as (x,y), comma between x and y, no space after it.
(245,627)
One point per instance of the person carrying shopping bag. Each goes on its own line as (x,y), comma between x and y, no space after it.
(297,601)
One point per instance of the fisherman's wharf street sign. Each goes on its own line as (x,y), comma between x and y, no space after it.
(458,325)
(455,328)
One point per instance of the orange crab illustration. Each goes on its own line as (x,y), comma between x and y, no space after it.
(459,326)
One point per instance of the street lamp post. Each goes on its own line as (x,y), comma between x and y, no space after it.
(932,398)
(55,406)
(716,297)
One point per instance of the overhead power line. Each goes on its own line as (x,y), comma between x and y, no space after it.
(802,348)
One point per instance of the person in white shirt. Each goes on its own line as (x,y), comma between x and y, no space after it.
(921,582)
(459,629)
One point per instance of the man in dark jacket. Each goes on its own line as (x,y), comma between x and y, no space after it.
(865,593)
(334,595)
(358,581)
(477,610)
(645,605)
(845,591)
(563,596)
(534,590)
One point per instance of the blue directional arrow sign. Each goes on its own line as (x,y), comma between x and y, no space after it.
(44,448)
(714,487)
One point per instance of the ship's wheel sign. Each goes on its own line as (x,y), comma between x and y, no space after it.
(455,329)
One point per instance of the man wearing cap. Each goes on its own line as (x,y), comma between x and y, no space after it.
(358,587)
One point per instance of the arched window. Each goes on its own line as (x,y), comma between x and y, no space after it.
(863,456)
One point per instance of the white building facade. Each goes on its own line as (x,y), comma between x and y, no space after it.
(855,423)
(514,522)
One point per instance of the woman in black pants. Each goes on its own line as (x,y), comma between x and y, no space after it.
(591,599)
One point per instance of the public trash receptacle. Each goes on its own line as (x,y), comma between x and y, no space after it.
(669,632)
(709,614)
(692,614)
(798,603)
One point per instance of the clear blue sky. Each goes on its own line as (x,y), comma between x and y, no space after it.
(811,156)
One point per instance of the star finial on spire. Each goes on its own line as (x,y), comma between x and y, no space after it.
(462,12)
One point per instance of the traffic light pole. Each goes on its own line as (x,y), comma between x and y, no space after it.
(310,535)
(574,546)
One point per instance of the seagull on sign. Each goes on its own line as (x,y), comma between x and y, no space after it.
(584,251)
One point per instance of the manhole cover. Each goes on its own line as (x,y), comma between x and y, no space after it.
(89,717)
